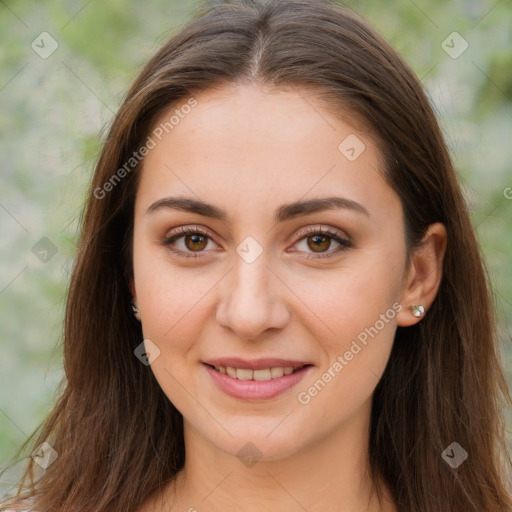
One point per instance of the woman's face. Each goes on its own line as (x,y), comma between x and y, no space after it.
(270,277)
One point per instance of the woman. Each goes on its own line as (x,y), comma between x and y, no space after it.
(278,297)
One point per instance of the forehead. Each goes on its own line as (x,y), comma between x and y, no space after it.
(252,147)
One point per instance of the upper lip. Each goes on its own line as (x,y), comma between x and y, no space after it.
(256,364)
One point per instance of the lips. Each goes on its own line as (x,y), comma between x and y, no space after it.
(258,379)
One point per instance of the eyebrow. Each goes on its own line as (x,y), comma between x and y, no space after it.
(281,214)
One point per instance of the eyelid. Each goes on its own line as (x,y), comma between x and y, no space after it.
(322,229)
(186,230)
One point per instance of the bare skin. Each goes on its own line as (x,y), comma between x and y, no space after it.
(249,151)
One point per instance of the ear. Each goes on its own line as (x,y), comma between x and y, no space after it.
(424,274)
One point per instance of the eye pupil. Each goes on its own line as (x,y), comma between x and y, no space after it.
(317,244)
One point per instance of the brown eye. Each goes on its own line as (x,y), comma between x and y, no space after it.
(188,242)
(196,242)
(319,243)
(322,243)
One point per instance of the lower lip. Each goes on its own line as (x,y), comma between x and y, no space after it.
(256,389)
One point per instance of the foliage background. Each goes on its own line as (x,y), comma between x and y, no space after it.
(54,112)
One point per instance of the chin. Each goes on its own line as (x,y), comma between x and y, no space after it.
(259,443)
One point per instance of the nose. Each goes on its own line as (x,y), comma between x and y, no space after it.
(251,301)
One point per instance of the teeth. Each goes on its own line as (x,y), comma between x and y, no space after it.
(276,372)
(259,375)
(243,374)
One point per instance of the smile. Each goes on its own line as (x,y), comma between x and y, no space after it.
(259,375)
(256,384)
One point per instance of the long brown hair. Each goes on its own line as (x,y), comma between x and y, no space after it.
(119,438)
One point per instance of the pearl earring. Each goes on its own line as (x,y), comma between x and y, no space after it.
(418,310)
(135,310)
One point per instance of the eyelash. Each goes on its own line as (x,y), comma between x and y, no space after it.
(181,232)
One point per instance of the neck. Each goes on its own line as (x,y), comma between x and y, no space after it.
(330,473)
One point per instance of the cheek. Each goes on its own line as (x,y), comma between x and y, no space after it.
(173,304)
(173,309)
(171,299)
(347,300)
(358,309)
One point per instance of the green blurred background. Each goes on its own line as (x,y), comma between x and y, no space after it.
(55,110)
